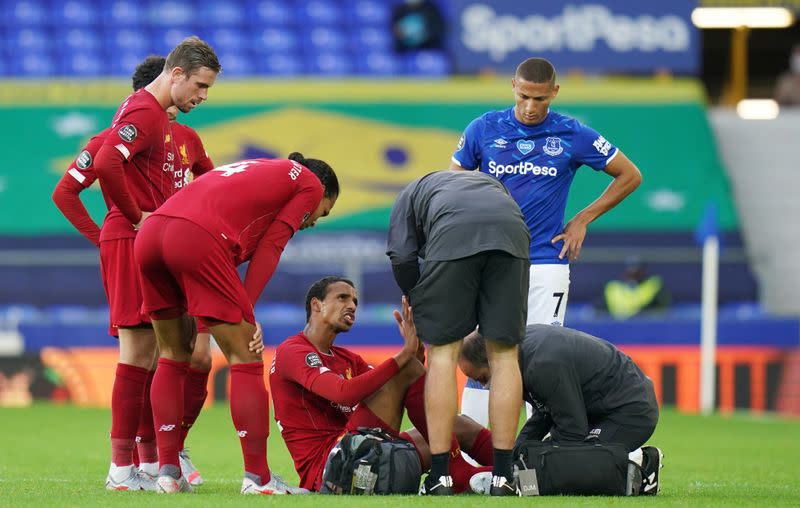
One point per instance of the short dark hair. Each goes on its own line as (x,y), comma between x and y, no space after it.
(536,70)
(323,171)
(147,71)
(319,290)
(474,350)
(191,54)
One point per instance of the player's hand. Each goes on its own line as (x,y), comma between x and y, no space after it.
(405,323)
(141,221)
(573,236)
(257,344)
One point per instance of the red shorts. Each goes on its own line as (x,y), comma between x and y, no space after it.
(121,283)
(183,267)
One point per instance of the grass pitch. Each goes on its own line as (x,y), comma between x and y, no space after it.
(58,456)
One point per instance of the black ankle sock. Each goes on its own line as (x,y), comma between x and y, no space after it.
(502,464)
(439,465)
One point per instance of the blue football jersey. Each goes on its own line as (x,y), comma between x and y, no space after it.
(536,163)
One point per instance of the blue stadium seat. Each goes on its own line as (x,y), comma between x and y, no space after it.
(319,12)
(81,64)
(237,63)
(33,64)
(376,39)
(226,39)
(429,63)
(379,63)
(163,40)
(270,13)
(27,40)
(321,39)
(123,63)
(281,64)
(23,13)
(79,39)
(375,13)
(126,40)
(275,40)
(73,13)
(171,13)
(123,13)
(330,64)
(221,13)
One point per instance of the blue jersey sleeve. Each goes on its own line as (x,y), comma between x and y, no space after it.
(591,148)
(468,153)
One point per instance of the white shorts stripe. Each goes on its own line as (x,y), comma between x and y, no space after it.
(77,175)
(123,150)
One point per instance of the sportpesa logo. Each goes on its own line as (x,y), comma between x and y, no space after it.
(521,168)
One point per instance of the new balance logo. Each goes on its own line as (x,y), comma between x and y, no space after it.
(166,428)
(242,433)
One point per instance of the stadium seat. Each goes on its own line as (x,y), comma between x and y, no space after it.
(237,63)
(33,64)
(427,64)
(371,39)
(275,40)
(270,13)
(375,13)
(379,63)
(171,13)
(79,39)
(126,40)
(123,63)
(123,13)
(319,13)
(162,41)
(281,64)
(321,39)
(329,63)
(221,13)
(73,13)
(27,40)
(24,13)
(81,64)
(226,39)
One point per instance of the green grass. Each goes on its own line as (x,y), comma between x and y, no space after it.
(58,456)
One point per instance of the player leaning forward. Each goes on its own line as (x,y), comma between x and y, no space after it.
(187,253)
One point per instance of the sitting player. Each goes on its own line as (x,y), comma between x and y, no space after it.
(320,391)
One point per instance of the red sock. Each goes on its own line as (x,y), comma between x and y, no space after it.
(166,395)
(482,450)
(414,403)
(194,396)
(146,434)
(461,470)
(250,413)
(127,397)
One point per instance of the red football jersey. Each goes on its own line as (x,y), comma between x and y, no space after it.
(310,425)
(191,155)
(237,203)
(82,168)
(141,132)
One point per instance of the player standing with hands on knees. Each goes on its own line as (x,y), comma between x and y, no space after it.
(536,152)
(187,254)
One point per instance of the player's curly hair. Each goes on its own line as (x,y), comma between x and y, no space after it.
(319,290)
(474,350)
(323,171)
(147,71)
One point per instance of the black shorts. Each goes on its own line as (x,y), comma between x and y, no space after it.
(489,289)
(631,425)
